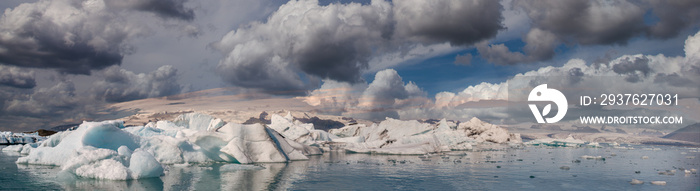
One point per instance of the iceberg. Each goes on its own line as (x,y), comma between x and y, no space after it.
(635,181)
(108,150)
(10,138)
(568,142)
(393,136)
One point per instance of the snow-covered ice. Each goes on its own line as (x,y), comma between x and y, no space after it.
(109,150)
(568,142)
(393,136)
(7,137)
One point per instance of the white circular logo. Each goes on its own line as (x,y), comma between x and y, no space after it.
(542,93)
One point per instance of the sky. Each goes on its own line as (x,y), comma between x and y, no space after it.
(61,61)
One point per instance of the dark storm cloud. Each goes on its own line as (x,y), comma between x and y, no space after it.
(55,100)
(164,8)
(458,22)
(586,22)
(16,77)
(74,37)
(303,42)
(631,67)
(673,16)
(121,85)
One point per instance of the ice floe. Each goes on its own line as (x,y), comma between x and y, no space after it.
(109,150)
(635,181)
(393,136)
(7,137)
(568,142)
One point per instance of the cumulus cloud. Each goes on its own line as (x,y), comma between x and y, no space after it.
(650,73)
(493,101)
(376,100)
(303,42)
(17,77)
(74,36)
(330,42)
(539,45)
(121,85)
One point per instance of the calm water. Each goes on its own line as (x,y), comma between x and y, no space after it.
(529,168)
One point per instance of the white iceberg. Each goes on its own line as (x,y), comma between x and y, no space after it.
(10,138)
(108,150)
(393,136)
(568,142)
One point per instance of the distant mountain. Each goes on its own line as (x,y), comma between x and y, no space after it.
(585,129)
(63,127)
(689,133)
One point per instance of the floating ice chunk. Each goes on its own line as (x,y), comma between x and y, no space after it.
(594,145)
(143,165)
(568,142)
(106,134)
(7,137)
(393,136)
(635,181)
(237,167)
(593,157)
(645,157)
(483,131)
(658,183)
(13,148)
(407,149)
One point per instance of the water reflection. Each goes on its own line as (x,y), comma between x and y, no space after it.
(275,176)
(488,169)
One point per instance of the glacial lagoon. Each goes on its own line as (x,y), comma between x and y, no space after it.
(489,167)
